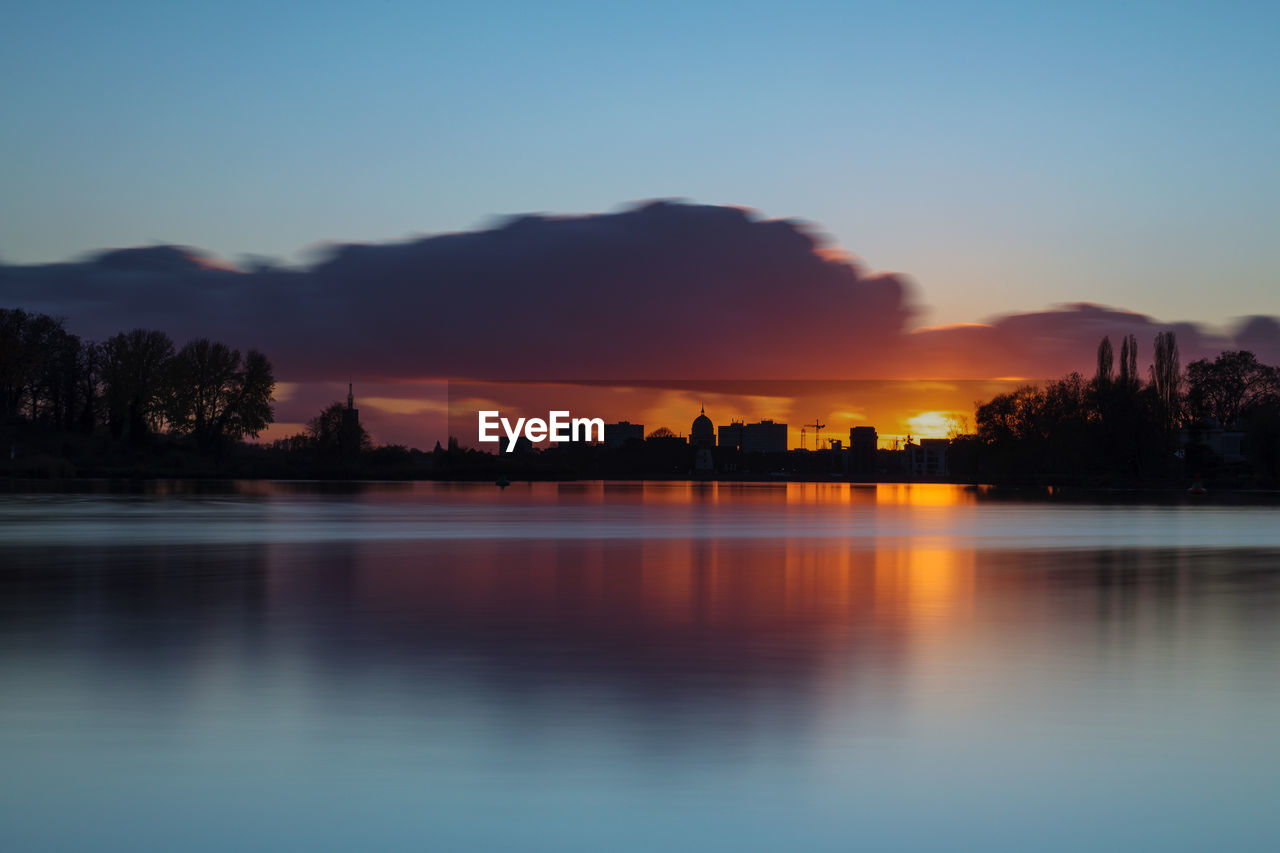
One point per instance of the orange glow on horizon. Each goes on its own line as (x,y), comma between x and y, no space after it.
(405,405)
(947,327)
(420,414)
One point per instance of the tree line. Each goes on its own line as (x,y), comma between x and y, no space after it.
(1118,425)
(133,385)
(329,438)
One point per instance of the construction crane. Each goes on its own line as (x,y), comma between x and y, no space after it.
(817,434)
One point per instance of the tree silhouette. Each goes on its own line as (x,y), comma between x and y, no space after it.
(215,395)
(1102,378)
(135,367)
(1166,379)
(1073,427)
(1129,380)
(330,436)
(13,362)
(1229,385)
(42,371)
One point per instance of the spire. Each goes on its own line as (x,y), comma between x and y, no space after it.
(704,410)
(351,400)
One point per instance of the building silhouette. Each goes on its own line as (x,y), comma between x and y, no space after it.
(350,424)
(731,435)
(616,435)
(704,464)
(765,436)
(703,432)
(928,458)
(1207,435)
(863,442)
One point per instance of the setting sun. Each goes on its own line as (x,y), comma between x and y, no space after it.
(935,424)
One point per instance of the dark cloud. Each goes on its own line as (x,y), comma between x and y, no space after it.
(1049,343)
(662,291)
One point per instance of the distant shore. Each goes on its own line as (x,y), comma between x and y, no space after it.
(160,485)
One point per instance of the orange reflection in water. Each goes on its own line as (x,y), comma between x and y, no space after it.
(928,584)
(695,493)
(715,603)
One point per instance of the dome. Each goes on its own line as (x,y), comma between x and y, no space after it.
(703,431)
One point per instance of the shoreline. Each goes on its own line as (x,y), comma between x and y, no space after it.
(21,485)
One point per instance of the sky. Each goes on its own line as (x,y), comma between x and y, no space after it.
(1005,156)
(645,315)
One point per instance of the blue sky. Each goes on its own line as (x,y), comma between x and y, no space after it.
(1006,155)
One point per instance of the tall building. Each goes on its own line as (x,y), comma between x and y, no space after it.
(703,432)
(862,451)
(731,435)
(764,437)
(616,435)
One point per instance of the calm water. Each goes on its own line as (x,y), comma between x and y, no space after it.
(583,667)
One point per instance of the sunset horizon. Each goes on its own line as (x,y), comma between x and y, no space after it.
(714,425)
(797,341)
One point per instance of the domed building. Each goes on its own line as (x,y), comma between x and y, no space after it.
(703,432)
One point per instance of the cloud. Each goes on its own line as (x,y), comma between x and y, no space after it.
(661,290)
(676,293)
(1050,343)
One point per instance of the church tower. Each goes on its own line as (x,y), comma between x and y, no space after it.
(350,424)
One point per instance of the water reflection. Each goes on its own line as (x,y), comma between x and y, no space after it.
(869,662)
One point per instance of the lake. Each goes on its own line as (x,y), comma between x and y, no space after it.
(617,667)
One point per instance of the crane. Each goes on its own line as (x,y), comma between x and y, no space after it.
(817,433)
